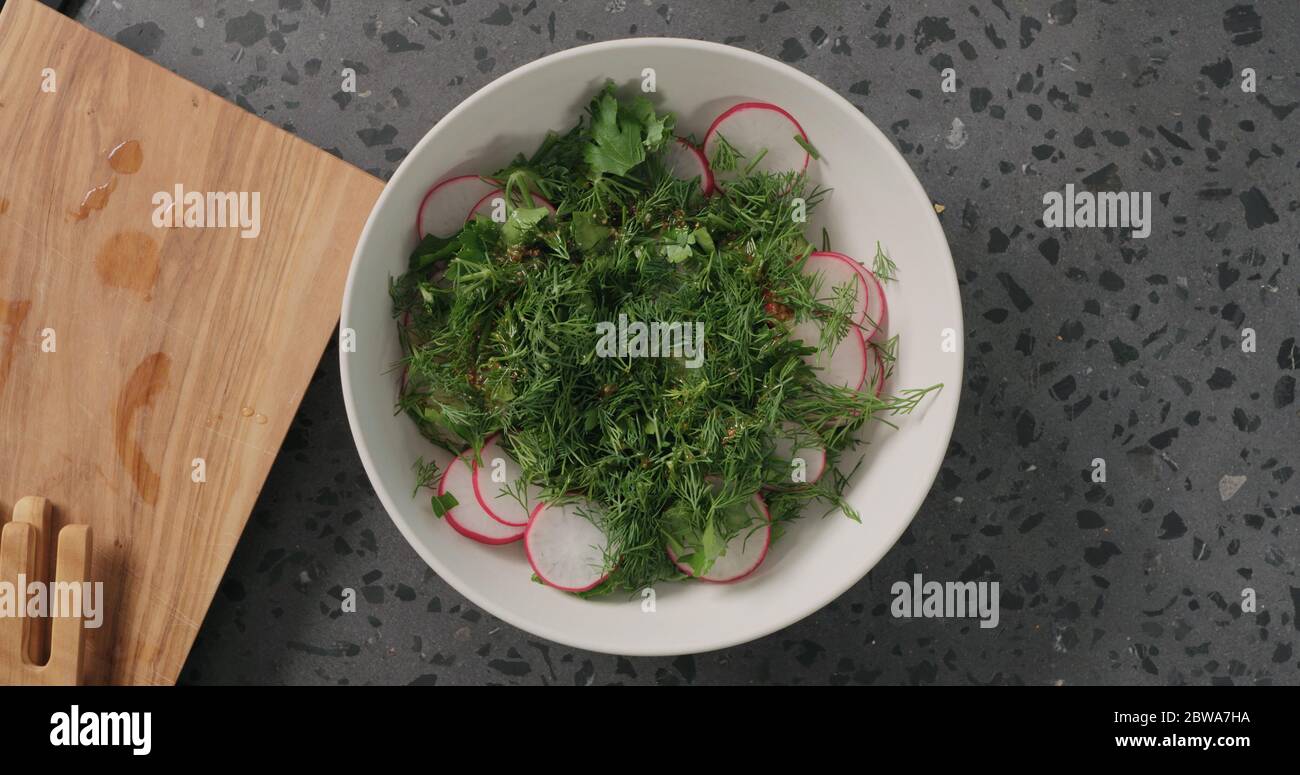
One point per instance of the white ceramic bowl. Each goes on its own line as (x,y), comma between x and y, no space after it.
(876,197)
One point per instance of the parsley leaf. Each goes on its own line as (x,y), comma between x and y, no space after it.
(677,247)
(622,133)
(658,129)
(616,145)
(587,231)
(521,224)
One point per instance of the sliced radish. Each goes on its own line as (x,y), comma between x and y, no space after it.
(845,364)
(485,205)
(753,128)
(687,162)
(491,481)
(443,206)
(871,308)
(743,553)
(787,449)
(467,517)
(567,549)
(834,270)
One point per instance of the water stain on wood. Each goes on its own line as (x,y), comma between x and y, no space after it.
(129,260)
(126,158)
(4,205)
(142,387)
(12,316)
(95,199)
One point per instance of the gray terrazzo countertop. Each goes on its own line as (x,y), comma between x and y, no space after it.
(1081,343)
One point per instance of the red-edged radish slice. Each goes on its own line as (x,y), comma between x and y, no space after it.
(743,554)
(498,472)
(833,270)
(467,517)
(753,128)
(484,206)
(845,364)
(442,209)
(786,449)
(564,546)
(875,371)
(687,162)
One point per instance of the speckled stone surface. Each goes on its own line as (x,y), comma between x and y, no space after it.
(1081,343)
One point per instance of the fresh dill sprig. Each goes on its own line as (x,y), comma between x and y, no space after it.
(725,156)
(883,266)
(427,474)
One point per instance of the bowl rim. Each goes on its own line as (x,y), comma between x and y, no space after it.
(764,627)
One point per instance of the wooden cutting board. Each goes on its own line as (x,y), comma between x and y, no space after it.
(134,357)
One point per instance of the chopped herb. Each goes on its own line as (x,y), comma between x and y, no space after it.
(443,503)
(807,146)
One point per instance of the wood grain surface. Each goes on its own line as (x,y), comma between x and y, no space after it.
(130,352)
